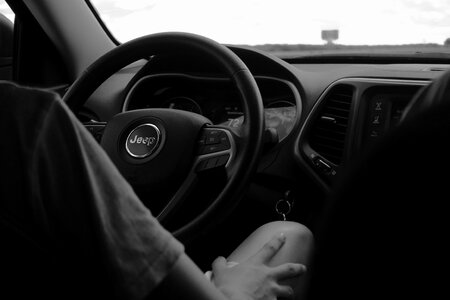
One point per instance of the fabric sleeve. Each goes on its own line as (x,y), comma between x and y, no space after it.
(96,211)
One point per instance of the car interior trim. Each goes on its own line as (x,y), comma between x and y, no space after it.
(305,155)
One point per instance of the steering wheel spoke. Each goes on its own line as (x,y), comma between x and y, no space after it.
(216,149)
(179,197)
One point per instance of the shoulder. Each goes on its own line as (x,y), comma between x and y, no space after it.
(23,101)
(24,113)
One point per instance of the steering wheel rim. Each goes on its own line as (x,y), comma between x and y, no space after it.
(175,43)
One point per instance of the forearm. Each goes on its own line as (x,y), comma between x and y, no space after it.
(186,281)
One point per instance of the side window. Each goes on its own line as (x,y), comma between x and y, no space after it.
(6,40)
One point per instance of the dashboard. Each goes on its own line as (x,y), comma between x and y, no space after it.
(323,114)
(352,115)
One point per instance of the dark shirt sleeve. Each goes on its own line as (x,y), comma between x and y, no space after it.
(90,213)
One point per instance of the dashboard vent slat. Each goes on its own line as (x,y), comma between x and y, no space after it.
(329,130)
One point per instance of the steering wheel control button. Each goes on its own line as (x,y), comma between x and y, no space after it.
(143,140)
(213,162)
(211,140)
(212,136)
(222,161)
(215,141)
(212,149)
(224,140)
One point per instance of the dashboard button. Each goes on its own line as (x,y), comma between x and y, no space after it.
(379,106)
(324,167)
(374,133)
(377,120)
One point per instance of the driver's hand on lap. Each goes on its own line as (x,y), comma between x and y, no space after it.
(253,279)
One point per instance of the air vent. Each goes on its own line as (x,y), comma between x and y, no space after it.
(329,130)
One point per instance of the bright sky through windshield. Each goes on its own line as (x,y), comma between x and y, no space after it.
(6,11)
(283,21)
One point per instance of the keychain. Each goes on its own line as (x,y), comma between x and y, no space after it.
(284,206)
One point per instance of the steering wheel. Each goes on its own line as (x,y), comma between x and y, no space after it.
(151,147)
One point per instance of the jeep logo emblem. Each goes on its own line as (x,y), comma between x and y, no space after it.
(143,140)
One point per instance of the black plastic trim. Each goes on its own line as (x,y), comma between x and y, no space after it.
(301,146)
(102,24)
(368,59)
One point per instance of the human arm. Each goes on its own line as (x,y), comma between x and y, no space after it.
(254,278)
(298,248)
(186,281)
(250,279)
(102,233)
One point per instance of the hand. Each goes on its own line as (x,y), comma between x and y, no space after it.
(253,279)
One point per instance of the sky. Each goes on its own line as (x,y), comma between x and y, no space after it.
(360,22)
(5,10)
(283,21)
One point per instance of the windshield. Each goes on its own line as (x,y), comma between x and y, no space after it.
(291,28)
(5,11)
